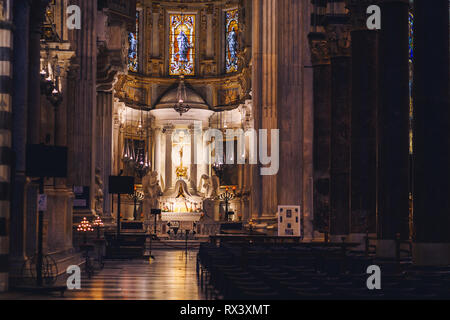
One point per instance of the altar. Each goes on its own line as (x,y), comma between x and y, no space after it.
(181,216)
(182,183)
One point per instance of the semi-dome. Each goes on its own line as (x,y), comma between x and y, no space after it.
(170,98)
(164,111)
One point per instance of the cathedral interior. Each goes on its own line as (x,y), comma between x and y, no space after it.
(281,143)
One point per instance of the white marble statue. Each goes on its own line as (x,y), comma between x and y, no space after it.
(152,191)
(99,195)
(209,186)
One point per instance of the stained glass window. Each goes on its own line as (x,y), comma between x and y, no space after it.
(411,79)
(411,36)
(182,45)
(133,41)
(232,40)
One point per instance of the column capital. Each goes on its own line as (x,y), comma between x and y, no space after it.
(320,51)
(59,56)
(339,39)
(168,129)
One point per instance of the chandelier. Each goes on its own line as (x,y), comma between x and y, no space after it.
(135,153)
(181,107)
(50,81)
(219,166)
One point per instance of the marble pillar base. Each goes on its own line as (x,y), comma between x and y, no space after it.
(431,254)
(4,282)
(15,268)
(212,209)
(107,218)
(59,219)
(358,238)
(338,237)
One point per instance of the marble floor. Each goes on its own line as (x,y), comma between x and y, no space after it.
(171,276)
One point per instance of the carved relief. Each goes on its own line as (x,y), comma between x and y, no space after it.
(320,51)
(208,67)
(228,96)
(131,91)
(156,67)
(339,39)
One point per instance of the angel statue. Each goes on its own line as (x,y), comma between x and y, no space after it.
(210,186)
(152,190)
(99,195)
(205,186)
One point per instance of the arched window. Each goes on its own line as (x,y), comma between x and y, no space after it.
(133,41)
(231,40)
(182,44)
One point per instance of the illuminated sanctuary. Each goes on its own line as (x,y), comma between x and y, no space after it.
(186,65)
(334,133)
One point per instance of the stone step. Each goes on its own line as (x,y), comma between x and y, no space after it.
(176,244)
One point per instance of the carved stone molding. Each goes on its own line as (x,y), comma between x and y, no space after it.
(339,39)
(155,67)
(208,67)
(320,51)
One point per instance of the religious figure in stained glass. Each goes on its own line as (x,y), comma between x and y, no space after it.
(411,80)
(133,43)
(232,45)
(182,45)
(411,36)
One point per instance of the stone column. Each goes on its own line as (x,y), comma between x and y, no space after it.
(210,31)
(268,102)
(155,31)
(393,127)
(290,104)
(19,138)
(169,162)
(157,157)
(81,139)
(34,97)
(322,130)
(257,27)
(37,10)
(339,40)
(279,99)
(6,153)
(117,136)
(363,125)
(194,150)
(65,56)
(432,134)
(104,145)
